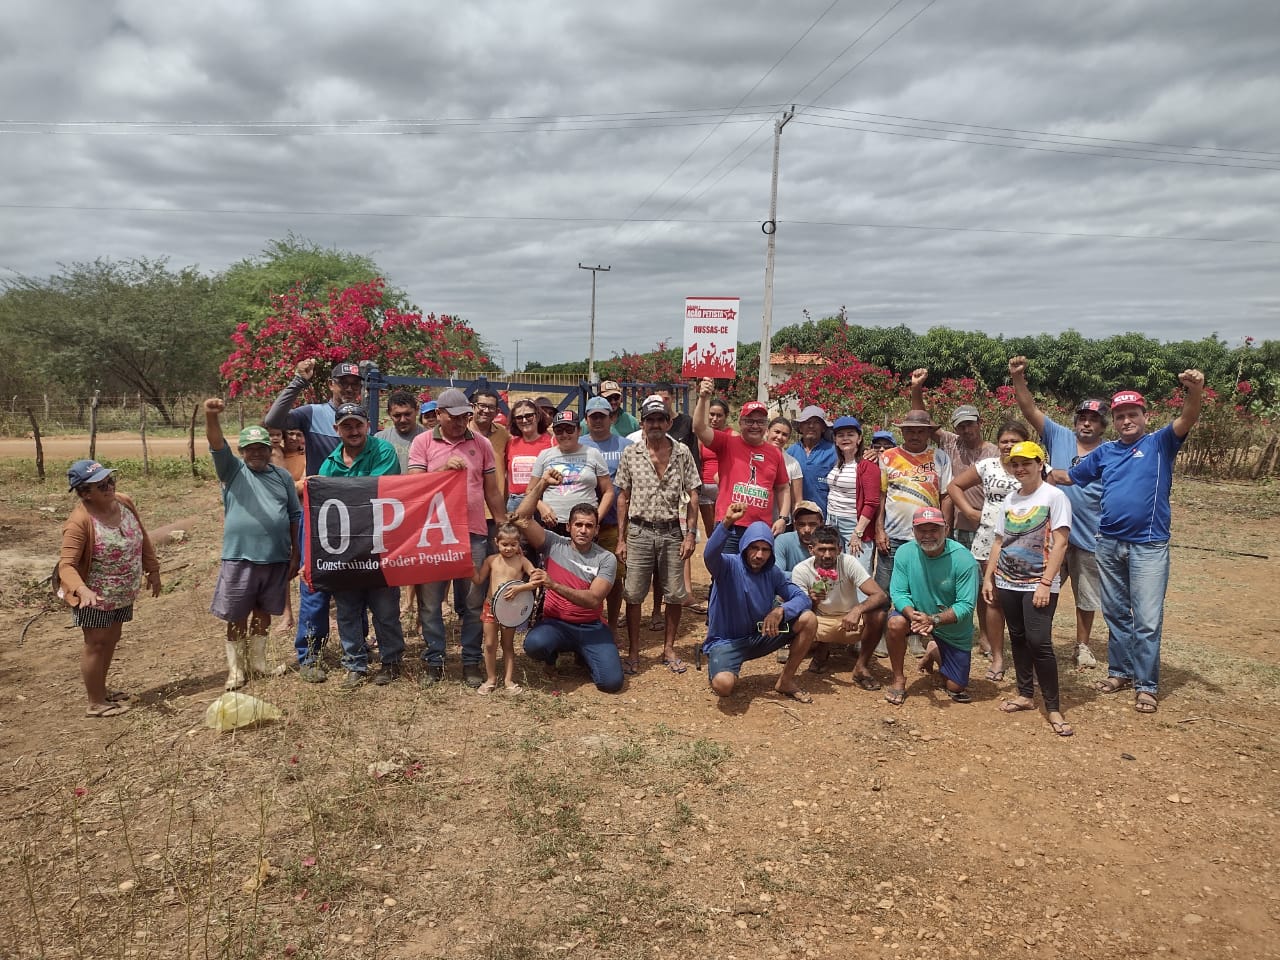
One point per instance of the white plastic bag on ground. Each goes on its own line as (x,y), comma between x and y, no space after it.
(235,709)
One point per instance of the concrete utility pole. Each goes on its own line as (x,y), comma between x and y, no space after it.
(770,228)
(516,369)
(591,355)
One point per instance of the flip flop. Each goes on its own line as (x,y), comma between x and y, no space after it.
(118,696)
(799,696)
(675,666)
(657,624)
(1062,728)
(1147,705)
(1013,706)
(896,696)
(995,676)
(1113,684)
(110,710)
(630,667)
(866,683)
(698,606)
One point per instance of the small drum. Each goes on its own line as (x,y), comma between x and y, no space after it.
(512,611)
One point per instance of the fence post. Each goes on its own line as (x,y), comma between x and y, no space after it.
(35,432)
(191,440)
(142,429)
(93,426)
(46,406)
(240,407)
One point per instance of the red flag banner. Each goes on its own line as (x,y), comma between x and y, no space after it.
(386,531)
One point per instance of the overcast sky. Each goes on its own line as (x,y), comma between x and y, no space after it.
(201,131)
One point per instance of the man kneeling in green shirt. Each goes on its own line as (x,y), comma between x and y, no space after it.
(933,590)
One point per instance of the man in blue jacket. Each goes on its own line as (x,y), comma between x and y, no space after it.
(743,623)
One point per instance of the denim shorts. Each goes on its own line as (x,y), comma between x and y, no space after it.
(729,655)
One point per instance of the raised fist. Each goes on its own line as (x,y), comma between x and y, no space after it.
(735,512)
(214,405)
(306,369)
(706,387)
(1017,367)
(1191,379)
(919,376)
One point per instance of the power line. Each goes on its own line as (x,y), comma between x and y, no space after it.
(679,166)
(856,40)
(1024,146)
(910,20)
(950,228)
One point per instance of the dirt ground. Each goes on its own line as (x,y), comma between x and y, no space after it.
(657,822)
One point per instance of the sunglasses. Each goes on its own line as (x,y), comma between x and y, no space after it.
(102,486)
(564,428)
(521,417)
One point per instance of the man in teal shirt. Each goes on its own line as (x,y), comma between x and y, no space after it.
(623,423)
(360,455)
(934,589)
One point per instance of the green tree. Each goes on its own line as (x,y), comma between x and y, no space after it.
(131,326)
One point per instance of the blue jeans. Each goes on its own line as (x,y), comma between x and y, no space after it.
(1134,579)
(383,604)
(313,611)
(468,601)
(594,641)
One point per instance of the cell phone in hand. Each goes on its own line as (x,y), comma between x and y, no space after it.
(783,627)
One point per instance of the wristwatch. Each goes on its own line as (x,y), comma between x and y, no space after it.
(936,619)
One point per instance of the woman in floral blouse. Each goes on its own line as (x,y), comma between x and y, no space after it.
(105,555)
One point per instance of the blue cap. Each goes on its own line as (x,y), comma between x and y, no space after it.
(86,471)
(599,405)
(428,407)
(844,423)
(883,435)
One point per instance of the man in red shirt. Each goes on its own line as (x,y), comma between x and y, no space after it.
(752,472)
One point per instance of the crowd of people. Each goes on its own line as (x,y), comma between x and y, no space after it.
(815,536)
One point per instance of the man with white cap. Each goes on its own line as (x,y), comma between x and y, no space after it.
(1067,447)
(815,452)
(317,421)
(624,424)
(1136,474)
(454,446)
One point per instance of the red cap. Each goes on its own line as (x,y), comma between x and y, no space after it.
(752,407)
(563,417)
(925,515)
(1128,398)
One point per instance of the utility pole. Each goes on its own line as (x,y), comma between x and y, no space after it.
(770,228)
(517,366)
(591,355)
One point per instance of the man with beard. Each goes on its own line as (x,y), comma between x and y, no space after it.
(832,578)
(1067,447)
(934,591)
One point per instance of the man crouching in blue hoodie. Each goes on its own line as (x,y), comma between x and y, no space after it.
(743,623)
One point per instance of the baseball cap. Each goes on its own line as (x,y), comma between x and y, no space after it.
(345,370)
(653,404)
(428,407)
(1093,406)
(916,418)
(753,408)
(598,405)
(1027,450)
(844,423)
(86,471)
(453,401)
(350,411)
(965,413)
(883,435)
(544,402)
(1128,398)
(564,417)
(925,515)
(811,411)
(252,435)
(806,506)
(610,388)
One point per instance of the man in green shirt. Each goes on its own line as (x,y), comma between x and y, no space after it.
(624,423)
(934,589)
(360,455)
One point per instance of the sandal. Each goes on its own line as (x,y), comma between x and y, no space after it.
(1113,684)
(1013,706)
(996,676)
(631,667)
(895,696)
(110,710)
(675,666)
(486,688)
(1145,703)
(960,696)
(866,682)
(1062,728)
(697,606)
(513,689)
(799,696)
